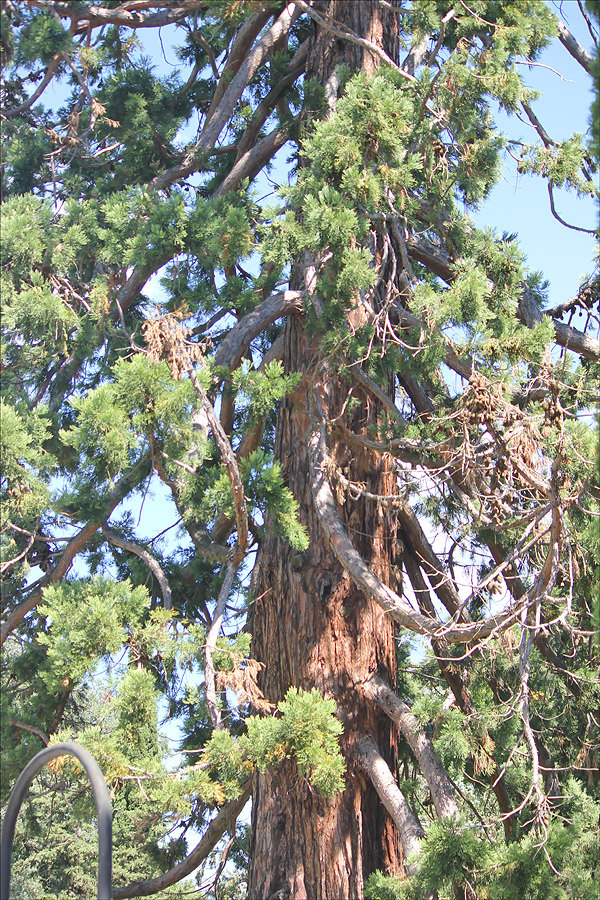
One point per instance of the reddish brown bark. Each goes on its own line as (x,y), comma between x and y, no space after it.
(312,627)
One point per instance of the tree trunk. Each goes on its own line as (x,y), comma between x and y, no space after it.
(312,627)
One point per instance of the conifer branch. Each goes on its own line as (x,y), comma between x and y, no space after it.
(224,821)
(249,443)
(442,265)
(130,14)
(114,496)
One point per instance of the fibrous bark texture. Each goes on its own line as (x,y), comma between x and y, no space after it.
(312,626)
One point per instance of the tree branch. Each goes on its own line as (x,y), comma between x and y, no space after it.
(574,47)
(115,495)
(409,828)
(247,33)
(250,164)
(235,345)
(266,106)
(50,72)
(37,731)
(222,113)
(397,608)
(442,791)
(230,462)
(96,16)
(211,642)
(222,822)
(441,264)
(144,555)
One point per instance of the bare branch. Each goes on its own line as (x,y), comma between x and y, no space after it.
(560,219)
(230,462)
(144,555)
(397,608)
(240,48)
(235,345)
(442,791)
(126,15)
(192,159)
(50,73)
(211,643)
(409,828)
(574,47)
(266,106)
(41,734)
(248,165)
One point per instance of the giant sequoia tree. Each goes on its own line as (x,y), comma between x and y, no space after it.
(311,474)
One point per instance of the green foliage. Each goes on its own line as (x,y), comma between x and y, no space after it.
(264,486)
(88,621)
(560,165)
(308,731)
(305,730)
(384,887)
(115,221)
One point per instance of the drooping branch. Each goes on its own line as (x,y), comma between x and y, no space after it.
(223,822)
(442,791)
(144,555)
(409,828)
(249,443)
(397,608)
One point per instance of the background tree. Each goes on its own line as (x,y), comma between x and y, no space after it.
(374,610)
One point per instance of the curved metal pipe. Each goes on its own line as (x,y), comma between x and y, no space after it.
(103,808)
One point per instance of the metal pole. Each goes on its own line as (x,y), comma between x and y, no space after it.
(103,808)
